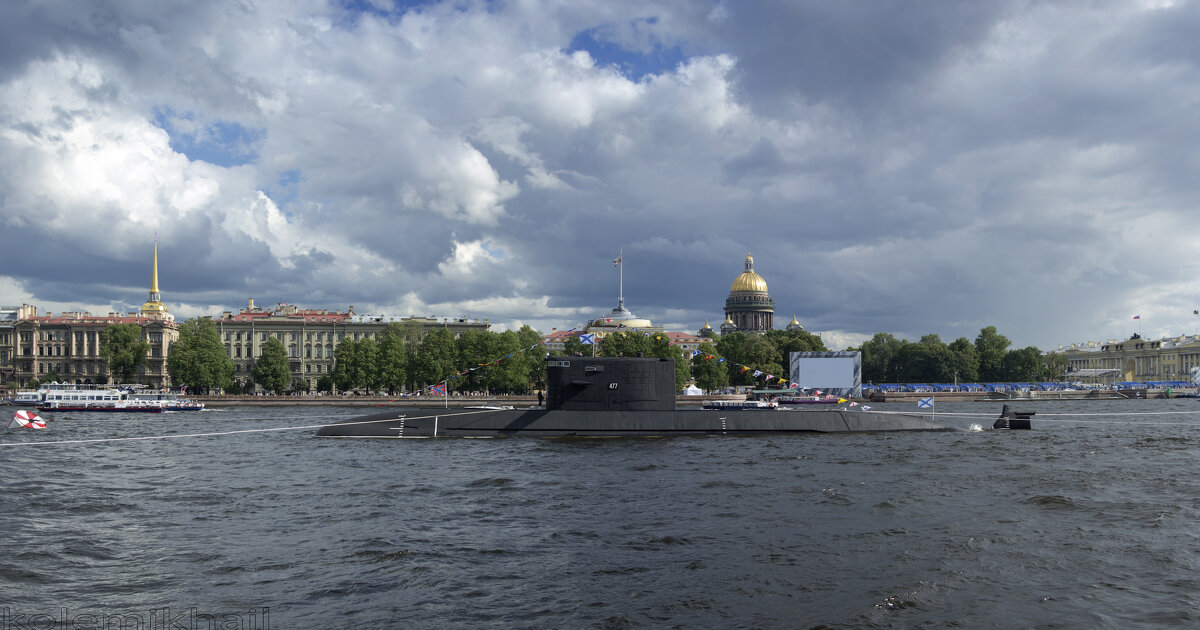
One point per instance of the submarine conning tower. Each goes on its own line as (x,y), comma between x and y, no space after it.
(610,384)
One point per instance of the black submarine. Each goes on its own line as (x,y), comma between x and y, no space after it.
(615,397)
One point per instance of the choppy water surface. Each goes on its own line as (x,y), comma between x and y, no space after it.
(1088,521)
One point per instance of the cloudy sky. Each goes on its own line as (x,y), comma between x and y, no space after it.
(902,167)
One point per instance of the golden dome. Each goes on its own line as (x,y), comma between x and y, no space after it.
(748,280)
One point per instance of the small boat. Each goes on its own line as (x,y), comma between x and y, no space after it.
(809,400)
(27,398)
(739,404)
(169,401)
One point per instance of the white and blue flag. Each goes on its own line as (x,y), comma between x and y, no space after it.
(925,403)
(587,339)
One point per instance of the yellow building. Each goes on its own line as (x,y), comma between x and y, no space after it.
(311,336)
(68,344)
(1133,360)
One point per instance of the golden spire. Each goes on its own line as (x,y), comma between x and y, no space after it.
(154,274)
(154,308)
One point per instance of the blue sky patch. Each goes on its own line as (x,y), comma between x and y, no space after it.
(218,142)
(634,64)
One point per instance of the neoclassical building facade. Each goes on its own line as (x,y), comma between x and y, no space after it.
(311,336)
(68,344)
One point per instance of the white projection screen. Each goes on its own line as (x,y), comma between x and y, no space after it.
(838,373)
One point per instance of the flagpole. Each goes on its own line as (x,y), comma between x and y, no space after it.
(620,278)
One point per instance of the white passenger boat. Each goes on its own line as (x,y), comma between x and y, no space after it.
(68,397)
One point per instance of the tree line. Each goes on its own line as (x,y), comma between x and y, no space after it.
(886,359)
(405,357)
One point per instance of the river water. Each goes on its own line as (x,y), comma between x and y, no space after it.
(1087,521)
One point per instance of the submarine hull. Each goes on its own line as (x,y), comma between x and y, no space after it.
(614,397)
(537,422)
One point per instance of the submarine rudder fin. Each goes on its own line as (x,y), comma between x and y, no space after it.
(1010,419)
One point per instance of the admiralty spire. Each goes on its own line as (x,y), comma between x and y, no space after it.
(154,308)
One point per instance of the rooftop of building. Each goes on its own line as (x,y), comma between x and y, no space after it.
(1100,346)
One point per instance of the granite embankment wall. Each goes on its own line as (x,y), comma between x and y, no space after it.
(526,400)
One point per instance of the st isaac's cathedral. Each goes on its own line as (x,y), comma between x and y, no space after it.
(749,307)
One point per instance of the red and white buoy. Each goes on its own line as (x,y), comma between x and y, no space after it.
(27,420)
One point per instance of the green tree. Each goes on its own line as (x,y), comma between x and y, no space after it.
(393,359)
(659,345)
(624,344)
(300,385)
(511,374)
(325,383)
(124,349)
(476,353)
(707,369)
(789,341)
(964,360)
(1025,364)
(366,368)
(1054,366)
(730,347)
(271,368)
(758,353)
(991,347)
(533,357)
(434,360)
(573,347)
(198,360)
(878,355)
(355,364)
(345,358)
(935,364)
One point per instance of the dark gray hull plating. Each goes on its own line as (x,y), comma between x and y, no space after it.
(537,422)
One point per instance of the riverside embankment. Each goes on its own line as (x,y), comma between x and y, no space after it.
(527,400)
(410,401)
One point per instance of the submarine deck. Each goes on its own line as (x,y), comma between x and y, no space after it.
(538,422)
